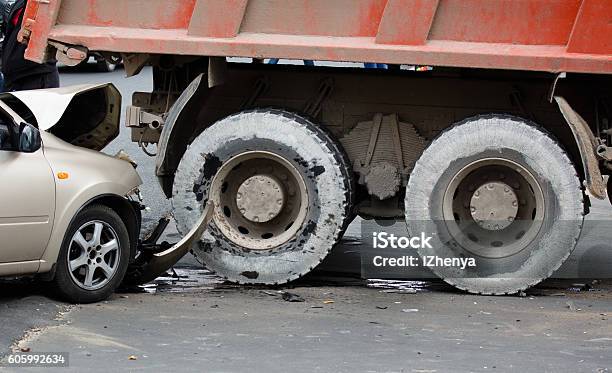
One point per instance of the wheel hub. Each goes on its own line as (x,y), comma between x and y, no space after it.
(494,206)
(260,198)
(94,254)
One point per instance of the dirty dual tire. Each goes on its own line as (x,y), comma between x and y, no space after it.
(306,194)
(514,161)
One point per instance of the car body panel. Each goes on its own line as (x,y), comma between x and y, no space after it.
(27,203)
(91,174)
(19,268)
(28,191)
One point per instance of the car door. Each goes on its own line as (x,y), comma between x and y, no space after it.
(27,199)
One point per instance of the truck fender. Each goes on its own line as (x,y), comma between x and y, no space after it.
(179,126)
(174,139)
(587,144)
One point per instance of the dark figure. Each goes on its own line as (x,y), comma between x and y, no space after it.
(19,73)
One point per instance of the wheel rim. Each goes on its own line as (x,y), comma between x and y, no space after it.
(94,255)
(262,200)
(494,208)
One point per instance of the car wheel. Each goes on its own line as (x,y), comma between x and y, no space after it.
(94,256)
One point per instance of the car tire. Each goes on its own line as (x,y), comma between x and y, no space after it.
(500,190)
(73,285)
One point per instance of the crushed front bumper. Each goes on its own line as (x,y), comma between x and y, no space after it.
(155,259)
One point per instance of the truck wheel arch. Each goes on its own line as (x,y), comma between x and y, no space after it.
(179,130)
(175,135)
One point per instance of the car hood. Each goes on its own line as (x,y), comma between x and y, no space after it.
(87,167)
(83,115)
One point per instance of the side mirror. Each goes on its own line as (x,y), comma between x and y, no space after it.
(29,138)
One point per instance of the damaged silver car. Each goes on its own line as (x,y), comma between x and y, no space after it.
(67,211)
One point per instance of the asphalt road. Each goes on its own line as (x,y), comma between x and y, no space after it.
(195,323)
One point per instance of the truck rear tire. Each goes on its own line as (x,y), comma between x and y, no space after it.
(610,189)
(500,190)
(282,190)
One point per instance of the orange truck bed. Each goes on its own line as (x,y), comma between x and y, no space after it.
(537,35)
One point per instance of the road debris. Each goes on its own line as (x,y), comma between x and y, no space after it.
(399,291)
(409,310)
(572,307)
(291,297)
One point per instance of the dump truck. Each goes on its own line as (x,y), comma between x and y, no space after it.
(494,149)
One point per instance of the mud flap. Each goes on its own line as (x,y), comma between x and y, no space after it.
(151,266)
(587,143)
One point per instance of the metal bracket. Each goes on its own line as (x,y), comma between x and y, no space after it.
(587,144)
(134,62)
(70,55)
(553,87)
(136,117)
(146,127)
(604,152)
(378,118)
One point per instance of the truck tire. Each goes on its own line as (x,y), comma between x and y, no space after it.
(497,189)
(282,190)
(610,189)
